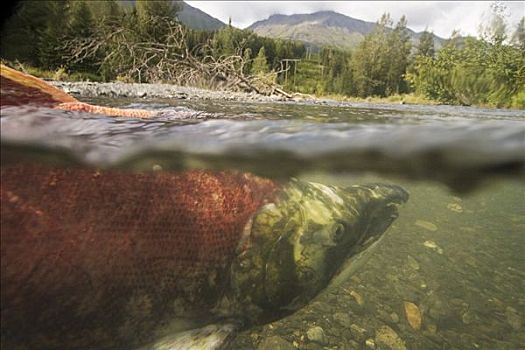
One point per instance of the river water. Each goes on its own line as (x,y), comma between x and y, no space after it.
(455,252)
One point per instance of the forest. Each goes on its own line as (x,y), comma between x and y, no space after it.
(143,41)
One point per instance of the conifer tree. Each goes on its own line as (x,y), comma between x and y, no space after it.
(247,58)
(106,13)
(518,38)
(369,62)
(397,61)
(425,45)
(52,36)
(80,26)
(260,63)
(81,20)
(17,38)
(154,17)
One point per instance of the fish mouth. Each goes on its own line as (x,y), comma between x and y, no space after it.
(383,213)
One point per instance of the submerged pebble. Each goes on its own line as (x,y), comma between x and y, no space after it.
(469,316)
(342,319)
(394,317)
(370,343)
(358,333)
(388,337)
(455,207)
(513,318)
(432,245)
(275,343)
(426,225)
(413,315)
(413,263)
(358,298)
(316,334)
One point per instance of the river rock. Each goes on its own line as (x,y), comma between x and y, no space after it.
(413,315)
(342,319)
(394,317)
(426,225)
(513,318)
(432,245)
(275,343)
(316,334)
(455,207)
(469,316)
(357,297)
(370,344)
(388,337)
(438,309)
(358,333)
(412,263)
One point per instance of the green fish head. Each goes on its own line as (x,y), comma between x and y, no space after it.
(297,244)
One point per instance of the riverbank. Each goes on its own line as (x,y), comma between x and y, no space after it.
(136,90)
(76,84)
(162,91)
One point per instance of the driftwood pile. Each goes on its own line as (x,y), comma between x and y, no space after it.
(141,58)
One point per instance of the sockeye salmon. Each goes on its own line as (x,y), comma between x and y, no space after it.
(114,259)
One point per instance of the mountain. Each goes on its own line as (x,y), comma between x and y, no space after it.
(191,16)
(197,19)
(324,28)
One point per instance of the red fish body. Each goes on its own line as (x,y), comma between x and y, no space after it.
(116,247)
(20,89)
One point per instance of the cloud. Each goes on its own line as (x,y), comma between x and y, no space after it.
(441,17)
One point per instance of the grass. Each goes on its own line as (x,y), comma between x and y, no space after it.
(393,99)
(60,74)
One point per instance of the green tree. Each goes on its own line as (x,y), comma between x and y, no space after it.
(380,61)
(107,12)
(495,31)
(51,38)
(477,72)
(398,52)
(337,77)
(260,63)
(247,57)
(223,42)
(154,17)
(425,45)
(81,26)
(518,37)
(17,38)
(369,61)
(81,22)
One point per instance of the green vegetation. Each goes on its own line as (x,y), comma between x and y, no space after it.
(113,40)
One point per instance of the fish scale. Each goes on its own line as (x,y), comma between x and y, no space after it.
(87,235)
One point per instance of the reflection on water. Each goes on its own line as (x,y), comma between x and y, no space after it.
(450,271)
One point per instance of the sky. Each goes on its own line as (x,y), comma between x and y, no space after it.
(441,17)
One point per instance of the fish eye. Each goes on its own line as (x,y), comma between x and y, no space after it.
(339,233)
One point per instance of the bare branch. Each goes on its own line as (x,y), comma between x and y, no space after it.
(135,56)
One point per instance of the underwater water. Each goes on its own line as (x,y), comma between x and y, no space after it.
(449,273)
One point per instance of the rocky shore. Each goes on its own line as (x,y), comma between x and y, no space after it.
(135,90)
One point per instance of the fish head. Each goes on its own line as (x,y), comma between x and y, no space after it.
(300,242)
